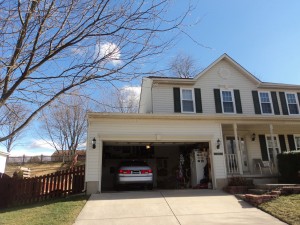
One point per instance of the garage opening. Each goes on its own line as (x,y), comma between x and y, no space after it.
(173,165)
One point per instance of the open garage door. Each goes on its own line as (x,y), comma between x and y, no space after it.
(174,165)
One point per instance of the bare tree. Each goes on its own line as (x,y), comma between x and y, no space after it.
(12,116)
(49,47)
(124,99)
(183,66)
(64,123)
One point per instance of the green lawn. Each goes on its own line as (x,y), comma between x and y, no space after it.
(60,212)
(285,208)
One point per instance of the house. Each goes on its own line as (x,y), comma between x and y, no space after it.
(225,119)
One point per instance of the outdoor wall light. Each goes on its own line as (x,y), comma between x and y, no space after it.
(253,137)
(94,143)
(148,146)
(218,143)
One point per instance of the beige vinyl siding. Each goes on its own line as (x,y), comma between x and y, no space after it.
(154,130)
(226,77)
(92,168)
(145,105)
(163,100)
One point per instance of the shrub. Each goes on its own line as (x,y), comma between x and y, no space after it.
(237,181)
(289,167)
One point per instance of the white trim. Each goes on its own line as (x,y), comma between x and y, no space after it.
(233,100)
(193,99)
(276,139)
(297,103)
(295,142)
(271,102)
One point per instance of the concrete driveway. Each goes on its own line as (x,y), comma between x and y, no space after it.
(170,207)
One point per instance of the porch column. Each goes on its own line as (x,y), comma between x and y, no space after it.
(273,145)
(237,147)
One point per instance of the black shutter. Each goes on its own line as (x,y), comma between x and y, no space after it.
(291,142)
(275,103)
(218,100)
(198,101)
(238,103)
(256,102)
(282,142)
(283,103)
(263,147)
(177,103)
(298,94)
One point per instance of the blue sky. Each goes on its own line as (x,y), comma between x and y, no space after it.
(262,36)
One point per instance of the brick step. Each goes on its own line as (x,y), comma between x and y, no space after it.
(270,187)
(256,191)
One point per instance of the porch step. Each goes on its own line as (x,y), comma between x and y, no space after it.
(264,180)
(270,187)
(256,191)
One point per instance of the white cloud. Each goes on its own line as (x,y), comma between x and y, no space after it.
(135,89)
(40,144)
(31,148)
(109,51)
(30,152)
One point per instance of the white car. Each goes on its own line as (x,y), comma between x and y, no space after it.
(136,173)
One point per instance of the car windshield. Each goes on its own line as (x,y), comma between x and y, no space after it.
(133,163)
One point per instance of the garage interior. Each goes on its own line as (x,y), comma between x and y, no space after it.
(175,165)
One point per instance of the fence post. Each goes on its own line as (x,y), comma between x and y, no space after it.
(41,158)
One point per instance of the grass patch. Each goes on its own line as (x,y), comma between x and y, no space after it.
(60,212)
(285,208)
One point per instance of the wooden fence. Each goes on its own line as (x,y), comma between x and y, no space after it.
(60,184)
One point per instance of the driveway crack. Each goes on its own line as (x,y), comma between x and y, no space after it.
(170,207)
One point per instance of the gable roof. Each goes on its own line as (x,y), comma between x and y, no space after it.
(232,62)
(164,79)
(250,76)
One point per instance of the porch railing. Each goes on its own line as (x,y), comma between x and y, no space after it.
(232,163)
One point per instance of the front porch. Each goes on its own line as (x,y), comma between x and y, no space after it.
(251,150)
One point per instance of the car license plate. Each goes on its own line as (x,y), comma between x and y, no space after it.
(135,172)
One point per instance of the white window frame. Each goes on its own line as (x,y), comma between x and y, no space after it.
(233,100)
(260,103)
(297,147)
(269,147)
(193,99)
(297,103)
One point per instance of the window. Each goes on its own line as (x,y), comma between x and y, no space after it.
(272,155)
(265,103)
(292,103)
(187,100)
(227,102)
(297,142)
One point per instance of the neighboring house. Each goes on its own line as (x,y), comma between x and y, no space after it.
(224,115)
